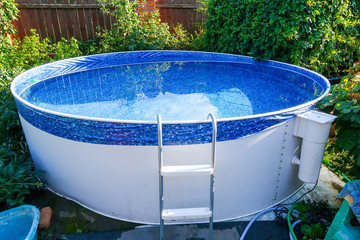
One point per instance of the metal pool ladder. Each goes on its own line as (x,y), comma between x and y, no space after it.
(184,171)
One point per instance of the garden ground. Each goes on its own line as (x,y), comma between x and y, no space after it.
(72,221)
(322,36)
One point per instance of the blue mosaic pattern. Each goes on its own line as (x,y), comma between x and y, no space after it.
(116,59)
(177,90)
(69,75)
(113,133)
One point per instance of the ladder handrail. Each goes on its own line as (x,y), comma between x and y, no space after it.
(212,177)
(214,134)
(161,180)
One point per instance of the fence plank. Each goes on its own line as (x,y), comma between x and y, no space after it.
(55,23)
(29,21)
(47,25)
(95,20)
(181,12)
(101,19)
(107,21)
(88,21)
(40,22)
(19,25)
(69,20)
(75,22)
(82,23)
(62,22)
(47,21)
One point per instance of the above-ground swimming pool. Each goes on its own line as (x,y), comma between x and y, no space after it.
(91,126)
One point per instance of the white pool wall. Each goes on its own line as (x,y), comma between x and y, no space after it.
(121,182)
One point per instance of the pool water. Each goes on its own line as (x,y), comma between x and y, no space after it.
(176,90)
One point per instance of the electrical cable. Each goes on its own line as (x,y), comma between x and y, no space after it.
(279,215)
(334,81)
(337,78)
(284,204)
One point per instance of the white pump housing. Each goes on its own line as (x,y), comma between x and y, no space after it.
(313,127)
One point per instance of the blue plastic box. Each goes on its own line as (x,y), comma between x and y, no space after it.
(19,223)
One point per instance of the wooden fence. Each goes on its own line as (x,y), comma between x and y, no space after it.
(61,18)
(181,11)
(55,19)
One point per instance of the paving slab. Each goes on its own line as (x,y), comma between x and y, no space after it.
(264,230)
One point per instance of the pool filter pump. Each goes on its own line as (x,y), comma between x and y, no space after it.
(313,127)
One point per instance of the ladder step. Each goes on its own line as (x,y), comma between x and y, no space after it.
(184,170)
(186,213)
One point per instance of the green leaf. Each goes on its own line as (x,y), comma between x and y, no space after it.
(355,118)
(355,109)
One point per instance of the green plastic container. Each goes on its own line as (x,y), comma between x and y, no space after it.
(340,228)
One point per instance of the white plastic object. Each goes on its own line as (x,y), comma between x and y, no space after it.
(313,127)
(186,170)
(186,213)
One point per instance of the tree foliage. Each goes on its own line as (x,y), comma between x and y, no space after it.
(8,13)
(317,34)
(134,30)
(17,174)
(344,102)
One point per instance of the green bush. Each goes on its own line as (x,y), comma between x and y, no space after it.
(315,219)
(343,149)
(68,49)
(17,174)
(27,53)
(139,31)
(316,34)
(33,51)
(10,129)
(8,13)
(17,177)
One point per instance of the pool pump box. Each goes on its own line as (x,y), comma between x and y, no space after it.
(313,127)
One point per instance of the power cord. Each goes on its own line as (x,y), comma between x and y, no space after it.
(286,204)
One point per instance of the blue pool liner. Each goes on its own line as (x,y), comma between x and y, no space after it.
(125,58)
(120,132)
